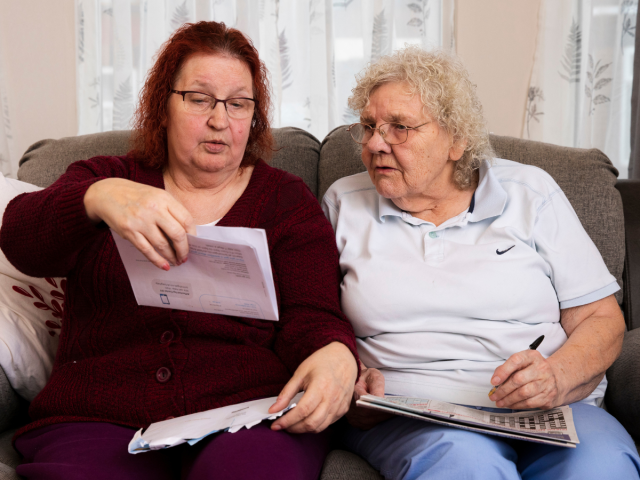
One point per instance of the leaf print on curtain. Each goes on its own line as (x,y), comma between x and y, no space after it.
(590,88)
(312,48)
(379,43)
(180,15)
(422,12)
(572,54)
(285,63)
(586,83)
(628,9)
(535,95)
(123,105)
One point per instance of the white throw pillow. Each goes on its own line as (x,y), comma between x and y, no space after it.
(30,315)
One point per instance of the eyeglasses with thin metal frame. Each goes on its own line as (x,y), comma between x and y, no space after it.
(237,108)
(392,133)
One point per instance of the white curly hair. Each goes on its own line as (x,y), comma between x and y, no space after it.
(447,94)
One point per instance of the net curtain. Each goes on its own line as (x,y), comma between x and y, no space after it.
(580,89)
(312,49)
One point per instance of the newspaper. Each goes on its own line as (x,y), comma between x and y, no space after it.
(228,273)
(553,427)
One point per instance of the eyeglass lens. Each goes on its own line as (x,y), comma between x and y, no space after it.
(237,108)
(392,133)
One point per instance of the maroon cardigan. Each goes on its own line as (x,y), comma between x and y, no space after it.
(134,365)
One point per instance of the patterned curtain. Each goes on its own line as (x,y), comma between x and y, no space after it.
(312,49)
(580,89)
(8,159)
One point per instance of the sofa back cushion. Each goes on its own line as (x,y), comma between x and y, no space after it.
(586,176)
(297,151)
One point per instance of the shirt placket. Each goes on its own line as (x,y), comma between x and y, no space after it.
(434,246)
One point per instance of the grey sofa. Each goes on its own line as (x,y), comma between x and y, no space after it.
(605,207)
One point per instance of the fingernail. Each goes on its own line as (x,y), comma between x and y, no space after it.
(496,380)
(166,267)
(276,427)
(184,260)
(499,403)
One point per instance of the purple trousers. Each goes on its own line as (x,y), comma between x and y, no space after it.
(97,451)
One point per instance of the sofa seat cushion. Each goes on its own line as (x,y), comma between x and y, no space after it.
(343,465)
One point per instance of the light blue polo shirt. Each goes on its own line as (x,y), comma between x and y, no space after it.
(438,309)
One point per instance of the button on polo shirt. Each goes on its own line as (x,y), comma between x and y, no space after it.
(438,308)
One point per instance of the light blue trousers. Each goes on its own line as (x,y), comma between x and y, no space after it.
(403,448)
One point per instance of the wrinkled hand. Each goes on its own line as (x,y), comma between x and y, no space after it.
(150,218)
(371,382)
(527,380)
(327,378)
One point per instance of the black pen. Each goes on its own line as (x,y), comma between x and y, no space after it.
(534,346)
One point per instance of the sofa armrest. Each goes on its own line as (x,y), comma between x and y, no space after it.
(11,405)
(623,392)
(630,192)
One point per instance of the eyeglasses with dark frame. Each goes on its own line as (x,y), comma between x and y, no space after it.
(200,103)
(392,133)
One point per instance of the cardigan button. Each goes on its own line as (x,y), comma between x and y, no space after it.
(166,337)
(163,374)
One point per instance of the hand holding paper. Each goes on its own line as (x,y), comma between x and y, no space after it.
(228,273)
(150,218)
(327,377)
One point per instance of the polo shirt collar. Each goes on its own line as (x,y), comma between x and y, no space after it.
(488,200)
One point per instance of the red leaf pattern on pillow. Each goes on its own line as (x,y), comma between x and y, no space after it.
(57,294)
(22,291)
(35,291)
(56,307)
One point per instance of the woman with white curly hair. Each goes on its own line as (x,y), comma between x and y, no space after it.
(453,262)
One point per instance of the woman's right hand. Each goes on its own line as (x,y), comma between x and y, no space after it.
(150,218)
(371,382)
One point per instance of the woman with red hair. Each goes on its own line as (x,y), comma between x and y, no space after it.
(201,134)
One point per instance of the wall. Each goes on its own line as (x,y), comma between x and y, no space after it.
(496,39)
(38,45)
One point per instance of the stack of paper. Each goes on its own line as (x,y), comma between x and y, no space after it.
(193,428)
(228,272)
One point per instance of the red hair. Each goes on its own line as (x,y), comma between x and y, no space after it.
(150,137)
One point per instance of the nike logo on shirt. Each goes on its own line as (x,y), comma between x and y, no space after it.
(504,251)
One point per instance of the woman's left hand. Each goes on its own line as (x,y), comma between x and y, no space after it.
(529,382)
(327,378)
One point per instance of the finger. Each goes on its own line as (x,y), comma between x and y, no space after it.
(160,243)
(140,242)
(182,215)
(515,362)
(312,422)
(517,380)
(360,389)
(308,403)
(177,235)
(521,394)
(375,383)
(290,390)
(541,401)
